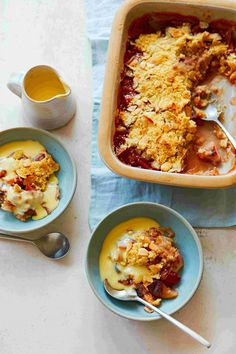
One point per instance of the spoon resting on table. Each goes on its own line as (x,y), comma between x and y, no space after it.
(54,245)
(131,295)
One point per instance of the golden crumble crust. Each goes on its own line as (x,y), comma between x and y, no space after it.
(39,169)
(158,117)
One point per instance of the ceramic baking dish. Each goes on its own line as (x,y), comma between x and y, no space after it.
(206,10)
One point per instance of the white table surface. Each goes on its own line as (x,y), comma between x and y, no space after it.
(47,307)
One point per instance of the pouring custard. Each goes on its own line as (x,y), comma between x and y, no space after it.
(28,185)
(44,84)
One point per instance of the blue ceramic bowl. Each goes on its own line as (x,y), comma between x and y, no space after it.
(186,240)
(67,177)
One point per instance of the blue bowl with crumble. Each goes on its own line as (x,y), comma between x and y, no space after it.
(37,179)
(151,248)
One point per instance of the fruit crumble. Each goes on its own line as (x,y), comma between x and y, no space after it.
(144,258)
(28,186)
(162,95)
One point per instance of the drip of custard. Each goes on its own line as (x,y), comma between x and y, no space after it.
(43,202)
(121,232)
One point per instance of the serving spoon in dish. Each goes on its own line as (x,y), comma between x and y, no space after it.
(212,115)
(131,295)
(54,245)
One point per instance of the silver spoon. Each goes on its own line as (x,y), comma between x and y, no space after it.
(54,245)
(131,295)
(212,115)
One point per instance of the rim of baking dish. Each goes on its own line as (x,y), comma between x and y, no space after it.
(105,122)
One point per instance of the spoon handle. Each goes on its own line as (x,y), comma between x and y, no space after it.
(227,133)
(178,324)
(14,238)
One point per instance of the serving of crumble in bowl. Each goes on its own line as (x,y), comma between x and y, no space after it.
(172,61)
(37,179)
(148,247)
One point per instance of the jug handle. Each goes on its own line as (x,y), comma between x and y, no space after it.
(15,82)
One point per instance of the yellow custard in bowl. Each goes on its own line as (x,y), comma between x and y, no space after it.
(28,185)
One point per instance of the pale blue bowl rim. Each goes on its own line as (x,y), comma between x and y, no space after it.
(195,237)
(74,171)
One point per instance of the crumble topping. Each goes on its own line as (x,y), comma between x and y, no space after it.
(39,169)
(156,122)
(148,261)
(28,186)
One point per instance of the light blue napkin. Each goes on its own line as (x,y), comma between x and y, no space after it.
(201,207)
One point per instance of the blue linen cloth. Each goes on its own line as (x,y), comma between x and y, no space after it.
(201,207)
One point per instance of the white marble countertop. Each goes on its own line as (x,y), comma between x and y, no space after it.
(48,307)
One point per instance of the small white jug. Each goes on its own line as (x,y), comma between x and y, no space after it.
(47,100)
